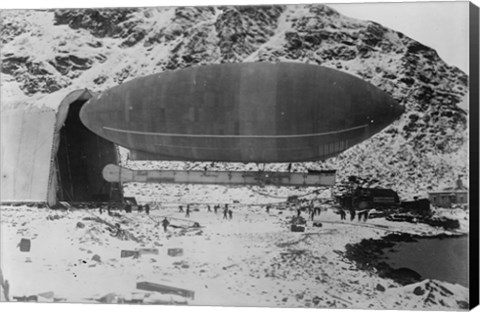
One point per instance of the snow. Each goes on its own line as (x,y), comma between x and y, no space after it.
(42,42)
(464,103)
(41,101)
(251,260)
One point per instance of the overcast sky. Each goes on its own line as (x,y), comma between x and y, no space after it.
(442,26)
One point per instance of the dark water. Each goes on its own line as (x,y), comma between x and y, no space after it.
(441,259)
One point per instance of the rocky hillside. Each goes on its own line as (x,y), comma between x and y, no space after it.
(45,51)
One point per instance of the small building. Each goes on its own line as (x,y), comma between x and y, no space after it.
(450,196)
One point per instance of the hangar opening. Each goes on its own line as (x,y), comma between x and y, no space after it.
(80,158)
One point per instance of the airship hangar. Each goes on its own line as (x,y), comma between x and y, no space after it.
(48,156)
(244,112)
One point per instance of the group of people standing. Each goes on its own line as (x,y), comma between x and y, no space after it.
(188,210)
(227,212)
(362,214)
(310,207)
(127,207)
(312,211)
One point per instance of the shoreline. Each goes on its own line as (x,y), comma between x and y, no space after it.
(368,253)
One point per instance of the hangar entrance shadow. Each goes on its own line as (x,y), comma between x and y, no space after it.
(80,159)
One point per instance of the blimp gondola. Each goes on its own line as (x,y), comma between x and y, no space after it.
(243,112)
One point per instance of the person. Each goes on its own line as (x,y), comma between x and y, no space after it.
(147,209)
(101,209)
(165,223)
(6,290)
(352,214)
(180,208)
(6,287)
(365,215)
(225,211)
(187,212)
(342,214)
(230,213)
(209,209)
(298,212)
(360,214)
(215,208)
(268,208)
(312,214)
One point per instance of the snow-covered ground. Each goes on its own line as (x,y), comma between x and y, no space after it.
(251,260)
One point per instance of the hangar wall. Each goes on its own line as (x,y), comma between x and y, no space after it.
(26,150)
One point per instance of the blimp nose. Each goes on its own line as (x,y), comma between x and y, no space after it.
(398,110)
(84,114)
(385,114)
(87,116)
(393,111)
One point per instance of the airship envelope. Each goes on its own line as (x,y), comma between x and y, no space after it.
(244,112)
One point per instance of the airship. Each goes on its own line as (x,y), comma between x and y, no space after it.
(243,112)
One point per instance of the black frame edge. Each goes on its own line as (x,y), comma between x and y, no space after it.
(474,156)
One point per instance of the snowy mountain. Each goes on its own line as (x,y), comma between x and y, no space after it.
(49,50)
